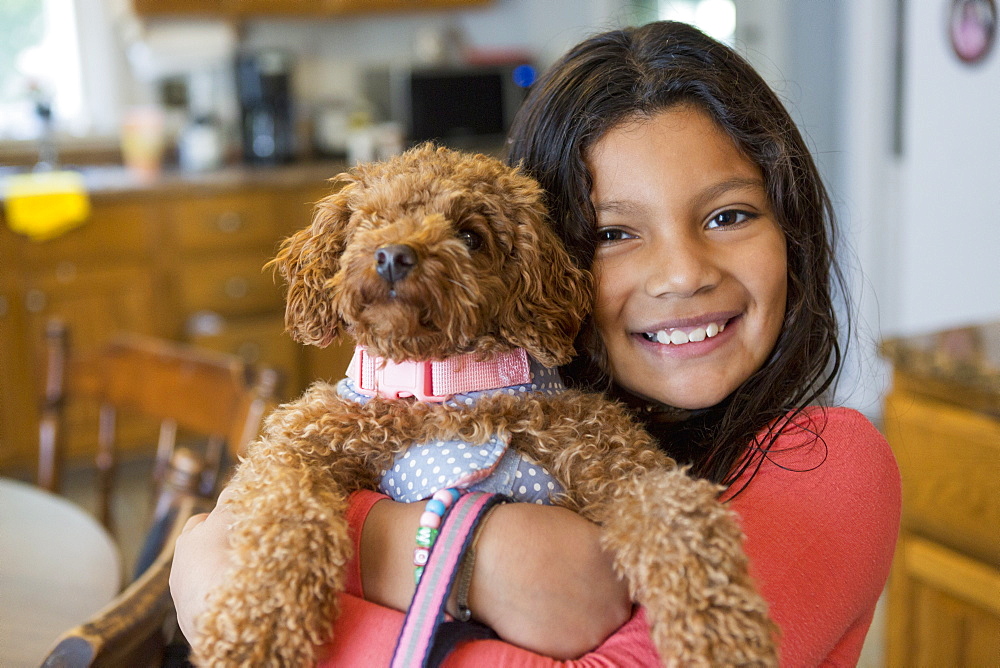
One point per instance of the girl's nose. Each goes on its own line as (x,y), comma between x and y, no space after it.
(682,267)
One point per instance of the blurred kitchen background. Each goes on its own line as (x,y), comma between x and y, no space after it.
(202,129)
(904,130)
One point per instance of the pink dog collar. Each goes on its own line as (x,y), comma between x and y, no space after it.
(439,379)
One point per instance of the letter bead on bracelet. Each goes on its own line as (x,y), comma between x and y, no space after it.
(430,523)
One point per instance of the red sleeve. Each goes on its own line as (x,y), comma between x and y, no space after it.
(365,635)
(359,504)
(821,519)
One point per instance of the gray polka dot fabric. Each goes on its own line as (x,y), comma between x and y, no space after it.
(482,467)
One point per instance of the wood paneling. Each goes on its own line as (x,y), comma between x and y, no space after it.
(944,593)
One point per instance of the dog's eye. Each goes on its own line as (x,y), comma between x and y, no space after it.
(471,239)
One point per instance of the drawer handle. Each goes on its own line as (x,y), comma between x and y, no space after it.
(66,272)
(229,222)
(249,351)
(34,301)
(236,287)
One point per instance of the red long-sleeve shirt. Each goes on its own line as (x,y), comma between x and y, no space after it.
(820,517)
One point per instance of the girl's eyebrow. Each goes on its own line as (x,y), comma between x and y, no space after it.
(727,186)
(737,183)
(615,206)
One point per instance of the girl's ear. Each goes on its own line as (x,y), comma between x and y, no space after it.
(550,298)
(307,261)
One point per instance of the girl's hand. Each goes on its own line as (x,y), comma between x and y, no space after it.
(201,557)
(540,578)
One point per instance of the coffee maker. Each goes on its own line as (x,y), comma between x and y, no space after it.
(264,82)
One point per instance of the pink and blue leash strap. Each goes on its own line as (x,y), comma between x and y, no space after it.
(415,646)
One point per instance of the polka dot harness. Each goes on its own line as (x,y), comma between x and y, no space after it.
(487,467)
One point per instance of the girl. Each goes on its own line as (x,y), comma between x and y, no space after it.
(676,175)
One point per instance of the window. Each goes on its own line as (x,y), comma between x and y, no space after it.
(39,65)
(716,18)
(41,47)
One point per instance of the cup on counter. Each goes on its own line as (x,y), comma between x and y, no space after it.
(200,145)
(143,141)
(374,142)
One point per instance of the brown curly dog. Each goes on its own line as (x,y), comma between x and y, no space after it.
(434,255)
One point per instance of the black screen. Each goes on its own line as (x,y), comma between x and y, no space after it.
(456,105)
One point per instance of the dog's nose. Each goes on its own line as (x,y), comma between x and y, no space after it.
(395,261)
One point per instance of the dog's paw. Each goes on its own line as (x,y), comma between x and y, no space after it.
(246,626)
(277,604)
(682,553)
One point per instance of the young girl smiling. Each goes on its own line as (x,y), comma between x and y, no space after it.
(677,176)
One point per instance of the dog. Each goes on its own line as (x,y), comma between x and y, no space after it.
(446,256)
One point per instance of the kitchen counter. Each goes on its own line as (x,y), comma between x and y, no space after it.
(960,366)
(112,180)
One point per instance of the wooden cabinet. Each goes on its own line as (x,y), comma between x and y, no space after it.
(251,8)
(14,401)
(183,259)
(226,299)
(98,278)
(942,419)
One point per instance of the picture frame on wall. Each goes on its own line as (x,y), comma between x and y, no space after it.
(972,27)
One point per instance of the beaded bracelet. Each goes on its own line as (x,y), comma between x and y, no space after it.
(464,580)
(430,523)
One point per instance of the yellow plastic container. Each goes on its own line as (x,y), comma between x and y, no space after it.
(44,205)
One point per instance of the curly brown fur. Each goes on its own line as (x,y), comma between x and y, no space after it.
(680,550)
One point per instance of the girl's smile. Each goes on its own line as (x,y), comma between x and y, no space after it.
(691,263)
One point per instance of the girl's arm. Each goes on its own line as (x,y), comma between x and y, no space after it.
(540,578)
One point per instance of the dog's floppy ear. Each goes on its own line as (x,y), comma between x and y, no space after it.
(551,296)
(307,260)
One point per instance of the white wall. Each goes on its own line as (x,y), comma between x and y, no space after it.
(921,222)
(949,245)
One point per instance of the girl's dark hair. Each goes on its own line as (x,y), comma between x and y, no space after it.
(636,72)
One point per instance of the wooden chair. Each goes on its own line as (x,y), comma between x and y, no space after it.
(136,628)
(214,397)
(190,391)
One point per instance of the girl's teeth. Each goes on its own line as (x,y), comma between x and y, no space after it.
(678,337)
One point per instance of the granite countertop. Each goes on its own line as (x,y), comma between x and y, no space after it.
(960,364)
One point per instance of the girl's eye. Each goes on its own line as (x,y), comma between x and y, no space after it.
(471,239)
(730,218)
(609,235)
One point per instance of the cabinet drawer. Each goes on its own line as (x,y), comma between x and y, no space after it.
(225,221)
(948,458)
(944,608)
(230,286)
(115,230)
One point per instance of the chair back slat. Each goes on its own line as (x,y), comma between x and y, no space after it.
(202,391)
(50,455)
(106,461)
